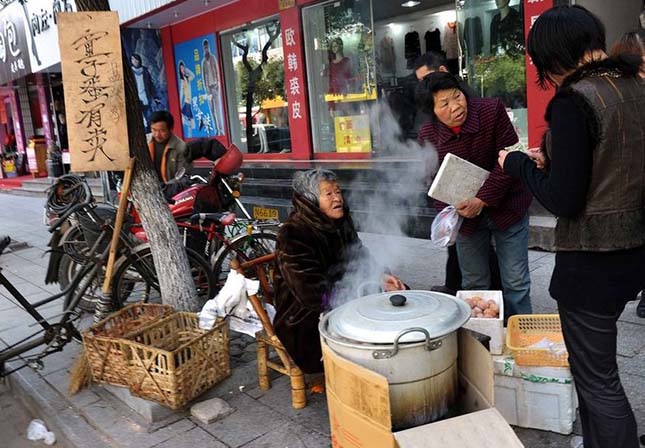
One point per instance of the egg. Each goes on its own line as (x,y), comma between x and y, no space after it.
(490,313)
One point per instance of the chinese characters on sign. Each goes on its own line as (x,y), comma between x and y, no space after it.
(284,4)
(292,66)
(93,83)
(353,133)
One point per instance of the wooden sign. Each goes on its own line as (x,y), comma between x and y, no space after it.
(92,68)
(284,4)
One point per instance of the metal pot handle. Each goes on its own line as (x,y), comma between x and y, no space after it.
(386,354)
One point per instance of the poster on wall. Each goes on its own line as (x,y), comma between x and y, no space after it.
(145,56)
(353,133)
(90,47)
(199,86)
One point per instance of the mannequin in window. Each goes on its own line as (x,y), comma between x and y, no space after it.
(340,69)
(506,30)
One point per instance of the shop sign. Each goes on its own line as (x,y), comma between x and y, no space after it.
(284,4)
(43,24)
(90,47)
(353,133)
(14,50)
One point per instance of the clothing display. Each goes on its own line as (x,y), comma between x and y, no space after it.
(433,40)
(412,48)
(473,36)
(340,76)
(388,57)
(451,40)
(507,34)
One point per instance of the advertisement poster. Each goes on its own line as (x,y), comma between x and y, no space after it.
(353,133)
(199,86)
(145,57)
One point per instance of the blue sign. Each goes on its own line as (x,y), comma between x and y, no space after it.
(199,86)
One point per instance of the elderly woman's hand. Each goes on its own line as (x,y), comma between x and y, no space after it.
(391,283)
(470,207)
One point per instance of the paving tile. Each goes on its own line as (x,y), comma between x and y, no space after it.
(292,436)
(314,416)
(127,432)
(250,420)
(194,438)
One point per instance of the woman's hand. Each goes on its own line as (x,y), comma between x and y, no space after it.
(391,283)
(501,158)
(470,207)
(537,156)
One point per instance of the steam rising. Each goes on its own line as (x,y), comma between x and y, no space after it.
(391,196)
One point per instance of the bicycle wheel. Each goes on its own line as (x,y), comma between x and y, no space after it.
(88,286)
(135,277)
(245,248)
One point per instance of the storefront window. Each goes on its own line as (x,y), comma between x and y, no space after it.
(339,47)
(253,62)
(493,43)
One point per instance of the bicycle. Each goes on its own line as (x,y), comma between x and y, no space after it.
(94,228)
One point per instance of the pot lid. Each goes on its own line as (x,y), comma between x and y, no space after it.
(379,318)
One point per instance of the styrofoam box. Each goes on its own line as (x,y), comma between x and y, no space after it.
(535,397)
(489,326)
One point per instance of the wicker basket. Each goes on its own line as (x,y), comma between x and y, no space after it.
(526,330)
(103,343)
(174,361)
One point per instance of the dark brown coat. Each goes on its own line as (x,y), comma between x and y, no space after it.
(311,256)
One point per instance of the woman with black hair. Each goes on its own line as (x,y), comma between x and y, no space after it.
(593,180)
(475,129)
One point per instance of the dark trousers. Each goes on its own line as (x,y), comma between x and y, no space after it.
(606,416)
(453,272)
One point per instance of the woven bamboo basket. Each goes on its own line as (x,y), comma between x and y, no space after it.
(173,361)
(526,330)
(103,340)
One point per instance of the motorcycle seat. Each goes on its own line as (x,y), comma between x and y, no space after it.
(202,219)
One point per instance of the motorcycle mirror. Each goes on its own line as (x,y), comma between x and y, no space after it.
(180,173)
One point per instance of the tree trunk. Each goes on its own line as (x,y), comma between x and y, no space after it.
(175,281)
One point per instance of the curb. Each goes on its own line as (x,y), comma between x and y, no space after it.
(59,414)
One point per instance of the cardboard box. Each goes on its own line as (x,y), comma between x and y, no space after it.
(541,398)
(457,180)
(489,326)
(358,401)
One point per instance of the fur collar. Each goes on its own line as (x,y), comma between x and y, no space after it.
(624,65)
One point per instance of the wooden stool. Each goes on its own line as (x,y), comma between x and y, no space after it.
(286,367)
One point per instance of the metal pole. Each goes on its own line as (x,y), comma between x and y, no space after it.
(105,185)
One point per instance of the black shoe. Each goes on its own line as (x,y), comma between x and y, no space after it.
(443,289)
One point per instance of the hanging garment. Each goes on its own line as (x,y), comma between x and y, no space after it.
(507,35)
(388,57)
(473,36)
(433,40)
(412,48)
(451,40)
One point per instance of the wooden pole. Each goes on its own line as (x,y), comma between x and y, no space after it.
(118,224)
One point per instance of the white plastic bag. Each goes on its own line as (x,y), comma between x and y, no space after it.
(38,431)
(445,227)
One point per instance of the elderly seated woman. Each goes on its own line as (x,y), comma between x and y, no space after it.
(315,245)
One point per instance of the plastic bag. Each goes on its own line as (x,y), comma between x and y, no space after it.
(231,300)
(38,431)
(445,227)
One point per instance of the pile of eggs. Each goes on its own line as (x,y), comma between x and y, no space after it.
(482,308)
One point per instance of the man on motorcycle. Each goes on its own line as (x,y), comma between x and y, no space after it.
(172,157)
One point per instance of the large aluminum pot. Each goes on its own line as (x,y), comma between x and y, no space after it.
(410,338)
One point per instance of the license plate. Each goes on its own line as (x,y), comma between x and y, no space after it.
(265,213)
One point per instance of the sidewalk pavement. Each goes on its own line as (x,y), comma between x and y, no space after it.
(95,417)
